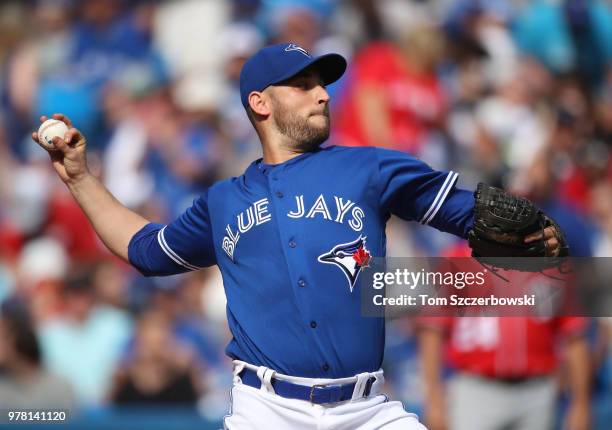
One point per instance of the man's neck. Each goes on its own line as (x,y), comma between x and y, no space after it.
(278,147)
(277,155)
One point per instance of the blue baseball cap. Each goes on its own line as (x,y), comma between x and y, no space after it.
(276,63)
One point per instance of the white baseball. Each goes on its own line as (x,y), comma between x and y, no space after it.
(50,129)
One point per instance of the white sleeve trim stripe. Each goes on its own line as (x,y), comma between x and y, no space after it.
(443,198)
(435,202)
(170,253)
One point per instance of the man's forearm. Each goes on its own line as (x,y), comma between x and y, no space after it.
(114,223)
(578,369)
(431,345)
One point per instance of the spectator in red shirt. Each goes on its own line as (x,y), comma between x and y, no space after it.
(393,97)
(505,370)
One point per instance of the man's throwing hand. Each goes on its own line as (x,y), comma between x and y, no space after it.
(68,155)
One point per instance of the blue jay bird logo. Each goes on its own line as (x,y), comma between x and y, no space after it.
(349,257)
(294,47)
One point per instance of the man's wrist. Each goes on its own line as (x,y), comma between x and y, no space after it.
(77,182)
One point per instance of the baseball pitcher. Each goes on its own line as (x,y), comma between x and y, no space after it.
(291,236)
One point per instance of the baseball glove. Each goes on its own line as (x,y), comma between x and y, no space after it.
(501,224)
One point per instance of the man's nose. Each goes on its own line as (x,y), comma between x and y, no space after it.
(322,94)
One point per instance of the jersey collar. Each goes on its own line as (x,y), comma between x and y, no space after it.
(258,168)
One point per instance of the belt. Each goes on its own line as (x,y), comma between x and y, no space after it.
(517,380)
(511,380)
(317,394)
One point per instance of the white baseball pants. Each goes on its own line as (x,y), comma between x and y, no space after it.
(255,409)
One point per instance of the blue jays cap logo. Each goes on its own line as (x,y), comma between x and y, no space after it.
(349,257)
(294,47)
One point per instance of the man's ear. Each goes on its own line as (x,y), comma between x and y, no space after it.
(259,103)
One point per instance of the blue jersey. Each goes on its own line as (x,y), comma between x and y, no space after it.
(290,239)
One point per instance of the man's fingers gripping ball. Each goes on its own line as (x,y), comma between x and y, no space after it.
(48,131)
(63,118)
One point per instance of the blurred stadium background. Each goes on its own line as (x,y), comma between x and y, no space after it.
(514,93)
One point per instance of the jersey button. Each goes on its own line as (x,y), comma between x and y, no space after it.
(279,194)
(302,283)
(313,324)
(325,367)
(292,244)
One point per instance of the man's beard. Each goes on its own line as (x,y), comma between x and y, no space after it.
(306,136)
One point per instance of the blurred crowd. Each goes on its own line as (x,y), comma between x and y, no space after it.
(517,94)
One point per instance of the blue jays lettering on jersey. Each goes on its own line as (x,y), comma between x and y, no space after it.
(290,241)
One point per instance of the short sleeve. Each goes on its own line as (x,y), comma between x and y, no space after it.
(568,327)
(183,245)
(409,188)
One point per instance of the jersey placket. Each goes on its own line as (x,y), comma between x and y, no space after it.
(293,250)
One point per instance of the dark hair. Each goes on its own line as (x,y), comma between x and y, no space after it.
(16,317)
